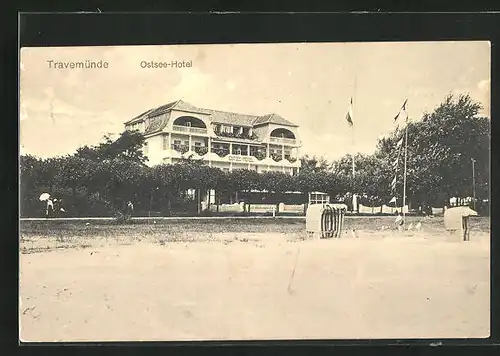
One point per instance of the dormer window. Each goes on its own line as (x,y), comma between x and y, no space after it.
(188,123)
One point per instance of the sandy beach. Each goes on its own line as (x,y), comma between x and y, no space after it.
(243,285)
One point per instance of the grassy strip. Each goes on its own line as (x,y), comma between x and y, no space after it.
(39,236)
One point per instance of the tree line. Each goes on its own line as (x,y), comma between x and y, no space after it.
(99,180)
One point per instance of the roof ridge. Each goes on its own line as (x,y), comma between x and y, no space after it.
(175,103)
(232,112)
(248,119)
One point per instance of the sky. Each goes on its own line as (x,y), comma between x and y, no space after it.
(309,84)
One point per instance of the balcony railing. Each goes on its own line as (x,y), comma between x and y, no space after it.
(201,150)
(189,129)
(180,148)
(282,140)
(220,151)
(243,135)
(260,155)
(277,157)
(290,159)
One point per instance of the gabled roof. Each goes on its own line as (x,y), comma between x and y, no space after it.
(274,119)
(217,116)
(223,117)
(179,104)
(138,117)
(157,123)
(161,109)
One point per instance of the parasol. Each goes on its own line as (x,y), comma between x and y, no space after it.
(44,196)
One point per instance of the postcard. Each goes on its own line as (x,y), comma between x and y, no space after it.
(270,191)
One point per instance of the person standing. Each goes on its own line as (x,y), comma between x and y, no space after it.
(50,208)
(130,209)
(399,221)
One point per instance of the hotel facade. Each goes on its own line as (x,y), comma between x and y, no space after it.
(224,140)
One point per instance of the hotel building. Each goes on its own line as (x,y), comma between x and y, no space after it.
(225,140)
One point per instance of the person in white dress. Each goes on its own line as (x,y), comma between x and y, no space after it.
(50,208)
(399,221)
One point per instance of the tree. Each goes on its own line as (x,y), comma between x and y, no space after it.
(373,180)
(440,149)
(308,181)
(75,172)
(127,146)
(164,177)
(30,169)
(313,164)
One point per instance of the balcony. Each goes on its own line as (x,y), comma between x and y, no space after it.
(283,141)
(242,135)
(180,148)
(201,150)
(290,158)
(260,155)
(220,151)
(277,157)
(189,129)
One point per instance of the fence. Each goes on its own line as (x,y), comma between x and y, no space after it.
(384,209)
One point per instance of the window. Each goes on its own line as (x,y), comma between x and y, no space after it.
(238,151)
(197,144)
(177,142)
(188,123)
(319,198)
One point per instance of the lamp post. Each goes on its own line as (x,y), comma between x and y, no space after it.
(473,182)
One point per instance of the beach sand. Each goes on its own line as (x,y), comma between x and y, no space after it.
(259,286)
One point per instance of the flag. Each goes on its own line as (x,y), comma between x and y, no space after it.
(393,200)
(393,183)
(400,142)
(348,117)
(395,163)
(402,112)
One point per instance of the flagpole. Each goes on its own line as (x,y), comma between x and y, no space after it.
(406,154)
(354,198)
(404,176)
(402,141)
(354,101)
(353,166)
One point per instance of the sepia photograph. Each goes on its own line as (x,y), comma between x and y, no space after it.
(277,191)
